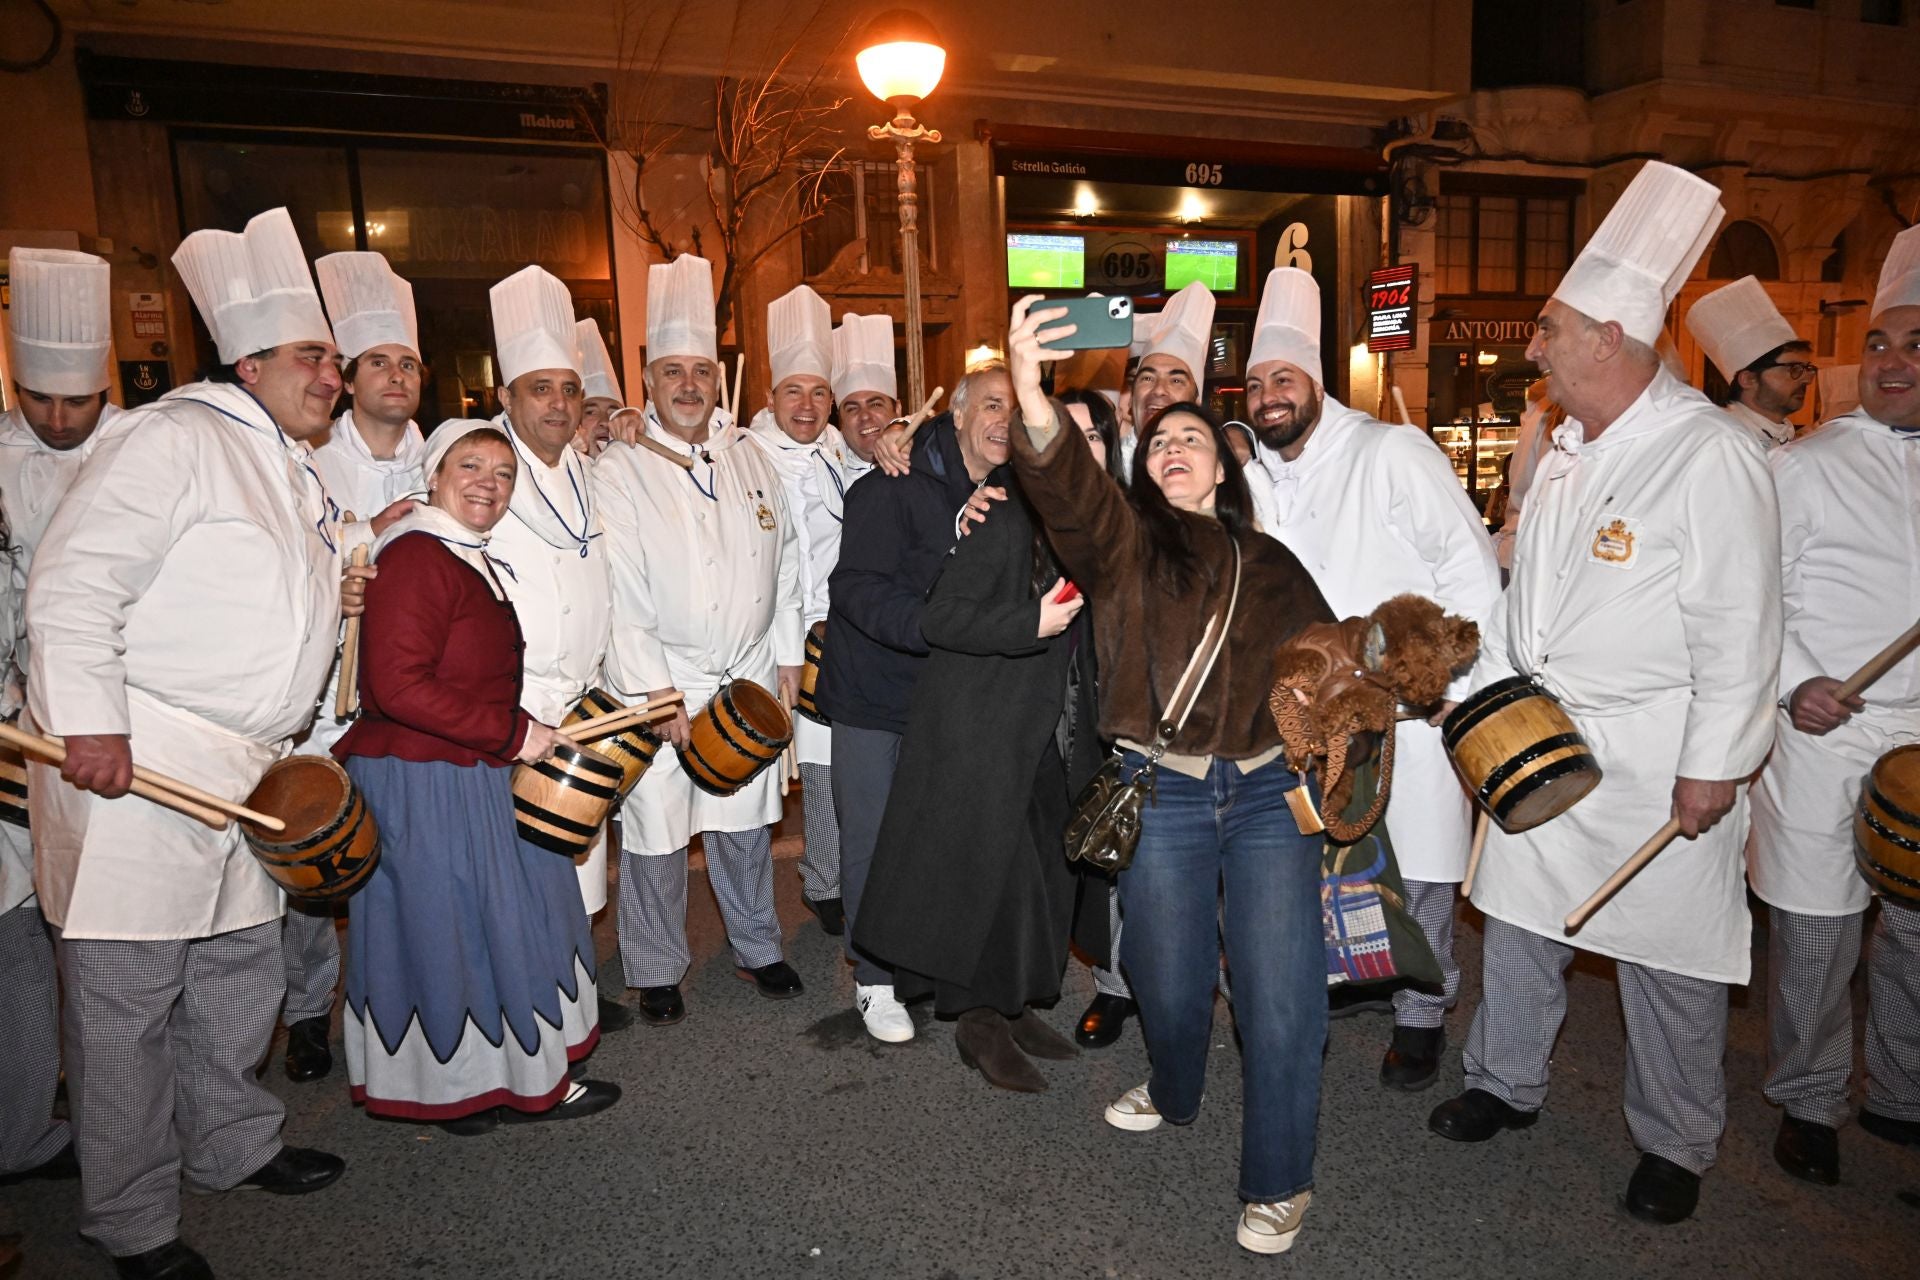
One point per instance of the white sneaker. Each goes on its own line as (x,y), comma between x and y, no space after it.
(1134,1111)
(1271,1228)
(886,1018)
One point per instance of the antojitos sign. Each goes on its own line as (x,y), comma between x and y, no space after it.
(1487,324)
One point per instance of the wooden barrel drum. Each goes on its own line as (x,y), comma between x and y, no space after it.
(632,748)
(13,786)
(810,674)
(1519,753)
(330,845)
(742,731)
(561,803)
(1886,830)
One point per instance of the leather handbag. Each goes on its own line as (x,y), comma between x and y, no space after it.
(1105,828)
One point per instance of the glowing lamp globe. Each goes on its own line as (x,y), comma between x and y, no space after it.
(900,58)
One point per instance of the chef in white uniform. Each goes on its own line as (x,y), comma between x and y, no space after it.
(1173,359)
(185,599)
(706,583)
(1374,511)
(1850,559)
(600,390)
(796,433)
(551,537)
(59,342)
(370,464)
(865,385)
(1768,367)
(1646,598)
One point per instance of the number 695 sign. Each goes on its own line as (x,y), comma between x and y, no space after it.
(1201,174)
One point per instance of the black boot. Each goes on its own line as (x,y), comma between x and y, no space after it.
(1661,1192)
(1809,1151)
(1413,1060)
(308,1056)
(1103,1021)
(1475,1116)
(986,1044)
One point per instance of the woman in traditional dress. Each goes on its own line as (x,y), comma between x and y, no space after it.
(470,966)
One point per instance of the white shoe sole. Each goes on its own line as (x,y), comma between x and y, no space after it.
(1133,1121)
(1261,1242)
(888,1035)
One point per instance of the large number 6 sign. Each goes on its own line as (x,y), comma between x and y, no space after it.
(1292,249)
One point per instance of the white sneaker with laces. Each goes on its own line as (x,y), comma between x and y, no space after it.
(1134,1111)
(1271,1228)
(886,1017)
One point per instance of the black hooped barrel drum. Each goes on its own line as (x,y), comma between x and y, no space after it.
(1886,829)
(805,704)
(742,731)
(1519,753)
(13,786)
(331,843)
(632,748)
(561,803)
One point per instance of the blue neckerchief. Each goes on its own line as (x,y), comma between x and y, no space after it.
(329,511)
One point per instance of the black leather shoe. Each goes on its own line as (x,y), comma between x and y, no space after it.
(1661,1192)
(661,1006)
(1475,1116)
(776,981)
(471,1126)
(1349,998)
(171,1261)
(308,1057)
(63,1164)
(1808,1150)
(614,1016)
(1413,1059)
(594,1096)
(295,1172)
(1905,1133)
(1103,1021)
(832,913)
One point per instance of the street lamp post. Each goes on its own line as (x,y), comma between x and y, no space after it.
(900,61)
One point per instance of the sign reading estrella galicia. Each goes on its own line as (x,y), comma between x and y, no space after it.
(1390,297)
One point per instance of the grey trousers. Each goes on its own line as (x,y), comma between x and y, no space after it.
(1893,1014)
(820,861)
(29,1042)
(1431,905)
(161,1041)
(1676,1092)
(863,764)
(653,906)
(310,949)
(1107,981)
(1810,960)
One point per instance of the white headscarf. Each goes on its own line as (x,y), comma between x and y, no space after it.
(468,544)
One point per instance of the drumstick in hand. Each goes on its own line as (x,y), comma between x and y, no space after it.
(682,460)
(926,411)
(146,784)
(1879,664)
(1628,870)
(347,700)
(1479,847)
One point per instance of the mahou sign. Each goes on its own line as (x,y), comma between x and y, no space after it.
(1390,295)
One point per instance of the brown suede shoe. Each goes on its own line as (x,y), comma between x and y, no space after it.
(985,1041)
(1038,1040)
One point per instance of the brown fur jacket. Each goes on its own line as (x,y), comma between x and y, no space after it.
(1143,635)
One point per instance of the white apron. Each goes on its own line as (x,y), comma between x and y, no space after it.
(706,587)
(202,628)
(1646,597)
(1374,511)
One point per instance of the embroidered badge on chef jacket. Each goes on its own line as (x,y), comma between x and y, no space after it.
(766,517)
(1614,544)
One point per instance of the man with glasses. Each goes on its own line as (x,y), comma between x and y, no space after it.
(1764,361)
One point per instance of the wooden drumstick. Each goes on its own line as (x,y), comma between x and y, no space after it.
(682,460)
(926,411)
(346,700)
(581,728)
(1473,855)
(602,726)
(144,784)
(1628,870)
(739,374)
(789,766)
(1879,664)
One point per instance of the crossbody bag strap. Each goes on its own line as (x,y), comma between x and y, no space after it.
(1212,641)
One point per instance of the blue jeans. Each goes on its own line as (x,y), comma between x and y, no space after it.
(1226,850)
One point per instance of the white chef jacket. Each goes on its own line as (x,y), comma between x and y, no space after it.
(364,486)
(187,593)
(1850,570)
(1374,511)
(1766,433)
(1646,598)
(706,588)
(552,543)
(814,478)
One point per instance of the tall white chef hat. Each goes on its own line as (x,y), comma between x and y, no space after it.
(532,324)
(1288,326)
(371,306)
(596,363)
(1632,269)
(680,309)
(799,336)
(1183,329)
(863,356)
(253,287)
(1899,274)
(58,330)
(1738,324)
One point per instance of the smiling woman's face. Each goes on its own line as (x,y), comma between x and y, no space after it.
(474,482)
(1183,460)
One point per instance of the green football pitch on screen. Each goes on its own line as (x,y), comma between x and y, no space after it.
(1214,263)
(1046,262)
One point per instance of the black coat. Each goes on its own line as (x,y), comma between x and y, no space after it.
(969,884)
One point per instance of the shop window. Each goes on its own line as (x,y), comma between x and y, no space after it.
(1744,249)
(863,203)
(1502,245)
